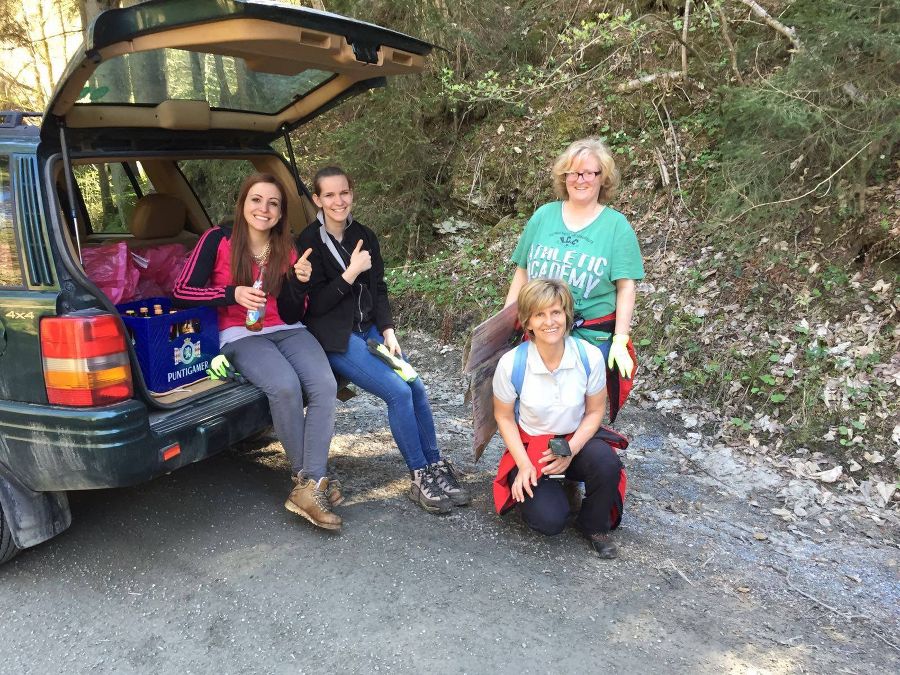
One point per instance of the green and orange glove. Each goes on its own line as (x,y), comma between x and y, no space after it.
(619,356)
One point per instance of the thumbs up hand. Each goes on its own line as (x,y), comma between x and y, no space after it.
(303,268)
(360,261)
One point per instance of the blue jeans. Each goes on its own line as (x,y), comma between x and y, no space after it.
(409,412)
(604,347)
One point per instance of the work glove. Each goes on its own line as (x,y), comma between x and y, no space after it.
(218,368)
(401,367)
(619,356)
(221,369)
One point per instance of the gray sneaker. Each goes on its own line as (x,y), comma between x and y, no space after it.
(426,492)
(448,479)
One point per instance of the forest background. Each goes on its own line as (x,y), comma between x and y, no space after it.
(758,144)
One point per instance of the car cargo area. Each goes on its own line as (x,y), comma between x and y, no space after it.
(135,224)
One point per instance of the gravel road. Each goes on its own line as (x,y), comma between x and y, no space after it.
(204,571)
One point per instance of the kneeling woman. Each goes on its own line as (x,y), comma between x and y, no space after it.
(548,404)
(249,267)
(349,308)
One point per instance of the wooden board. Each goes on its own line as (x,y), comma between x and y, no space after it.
(490,340)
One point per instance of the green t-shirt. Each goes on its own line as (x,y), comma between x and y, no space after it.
(589,260)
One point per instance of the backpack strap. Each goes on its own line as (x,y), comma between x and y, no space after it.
(518,369)
(584,359)
(518,373)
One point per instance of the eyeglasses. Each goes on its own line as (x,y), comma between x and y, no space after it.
(586,176)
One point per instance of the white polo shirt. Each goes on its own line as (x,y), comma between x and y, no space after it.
(551,403)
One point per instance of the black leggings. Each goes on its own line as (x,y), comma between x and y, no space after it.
(598,466)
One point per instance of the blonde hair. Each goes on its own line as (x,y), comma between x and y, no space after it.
(539,294)
(609,173)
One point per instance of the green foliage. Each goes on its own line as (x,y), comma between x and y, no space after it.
(804,374)
(574,61)
(834,104)
(394,166)
(217,184)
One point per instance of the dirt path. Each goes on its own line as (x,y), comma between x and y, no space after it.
(204,571)
(706,567)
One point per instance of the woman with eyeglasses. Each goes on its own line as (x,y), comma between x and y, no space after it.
(592,247)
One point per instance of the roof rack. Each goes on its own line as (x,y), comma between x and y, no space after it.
(10,119)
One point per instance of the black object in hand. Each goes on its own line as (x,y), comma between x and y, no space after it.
(560,447)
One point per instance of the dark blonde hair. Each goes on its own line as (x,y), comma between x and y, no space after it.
(281,243)
(538,294)
(594,147)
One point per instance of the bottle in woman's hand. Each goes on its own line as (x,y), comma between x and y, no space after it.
(255,316)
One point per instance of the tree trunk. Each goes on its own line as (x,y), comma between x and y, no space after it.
(106,202)
(122,189)
(198,76)
(153,76)
(222,79)
(89,9)
(243,92)
(63,22)
(39,56)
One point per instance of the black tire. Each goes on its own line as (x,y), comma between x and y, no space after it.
(8,548)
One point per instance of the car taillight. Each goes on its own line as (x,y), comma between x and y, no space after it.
(85,360)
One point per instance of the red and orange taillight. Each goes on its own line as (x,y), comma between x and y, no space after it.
(85,360)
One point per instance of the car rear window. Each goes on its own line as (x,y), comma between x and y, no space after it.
(226,82)
(216,184)
(110,191)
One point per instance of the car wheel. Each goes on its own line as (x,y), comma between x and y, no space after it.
(8,548)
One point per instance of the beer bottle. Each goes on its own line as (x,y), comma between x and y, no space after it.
(255,316)
(174,329)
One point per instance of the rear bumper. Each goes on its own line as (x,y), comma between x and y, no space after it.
(51,448)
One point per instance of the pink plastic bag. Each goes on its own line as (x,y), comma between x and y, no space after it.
(111,268)
(163,266)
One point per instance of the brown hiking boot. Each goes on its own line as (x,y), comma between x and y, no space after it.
(308,499)
(334,492)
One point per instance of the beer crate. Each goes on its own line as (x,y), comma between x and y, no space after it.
(172,349)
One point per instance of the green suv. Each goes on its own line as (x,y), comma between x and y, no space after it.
(167,105)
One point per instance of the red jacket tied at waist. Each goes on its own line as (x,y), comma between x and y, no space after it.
(617,387)
(535,447)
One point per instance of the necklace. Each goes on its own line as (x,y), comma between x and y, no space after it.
(262,257)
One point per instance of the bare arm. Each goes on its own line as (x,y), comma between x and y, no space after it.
(527,477)
(626,292)
(519,279)
(505,415)
(594,406)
